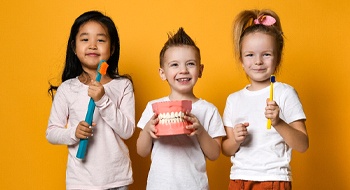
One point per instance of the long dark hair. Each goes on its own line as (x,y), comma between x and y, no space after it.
(73,66)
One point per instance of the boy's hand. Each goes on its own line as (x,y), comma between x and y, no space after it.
(84,130)
(150,127)
(196,126)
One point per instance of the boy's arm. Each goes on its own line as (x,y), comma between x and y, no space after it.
(144,143)
(210,146)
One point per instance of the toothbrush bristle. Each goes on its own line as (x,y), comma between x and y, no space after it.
(272,78)
(103,68)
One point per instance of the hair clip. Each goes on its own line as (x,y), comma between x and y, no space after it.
(266,20)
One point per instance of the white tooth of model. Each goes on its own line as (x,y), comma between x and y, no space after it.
(172,116)
(162,118)
(167,118)
(182,114)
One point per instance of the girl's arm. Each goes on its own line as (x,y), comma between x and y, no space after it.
(59,134)
(145,141)
(119,115)
(229,145)
(56,132)
(234,138)
(294,134)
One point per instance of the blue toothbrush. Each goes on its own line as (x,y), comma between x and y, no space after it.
(101,70)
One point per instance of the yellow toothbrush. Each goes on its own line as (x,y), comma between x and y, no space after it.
(272,80)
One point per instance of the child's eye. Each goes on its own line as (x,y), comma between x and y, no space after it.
(248,55)
(173,65)
(84,39)
(101,40)
(191,64)
(267,54)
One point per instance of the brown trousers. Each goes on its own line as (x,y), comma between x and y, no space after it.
(259,185)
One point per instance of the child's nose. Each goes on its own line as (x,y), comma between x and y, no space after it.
(92,46)
(258,61)
(184,68)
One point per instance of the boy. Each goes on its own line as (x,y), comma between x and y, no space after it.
(179,161)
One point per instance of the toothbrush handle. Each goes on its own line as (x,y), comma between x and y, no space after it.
(88,119)
(268,126)
(84,142)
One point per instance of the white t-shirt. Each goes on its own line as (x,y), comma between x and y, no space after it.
(178,161)
(264,155)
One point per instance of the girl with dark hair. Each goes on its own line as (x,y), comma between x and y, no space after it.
(107,164)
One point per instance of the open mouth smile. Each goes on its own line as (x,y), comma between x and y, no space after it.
(183,79)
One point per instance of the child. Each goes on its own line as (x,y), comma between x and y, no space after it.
(179,161)
(107,165)
(260,157)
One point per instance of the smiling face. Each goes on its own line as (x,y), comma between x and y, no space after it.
(259,58)
(181,68)
(92,44)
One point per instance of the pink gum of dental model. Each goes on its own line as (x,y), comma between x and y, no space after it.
(172,126)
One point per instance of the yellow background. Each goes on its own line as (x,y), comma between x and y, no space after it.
(33,36)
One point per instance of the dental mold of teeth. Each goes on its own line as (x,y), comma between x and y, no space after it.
(171,117)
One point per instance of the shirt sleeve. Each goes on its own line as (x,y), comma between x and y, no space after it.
(216,128)
(146,116)
(57,132)
(119,115)
(291,106)
(228,113)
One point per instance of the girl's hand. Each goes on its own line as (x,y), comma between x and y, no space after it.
(84,131)
(272,111)
(196,126)
(96,90)
(150,127)
(240,132)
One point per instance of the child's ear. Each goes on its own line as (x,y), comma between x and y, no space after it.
(201,68)
(162,74)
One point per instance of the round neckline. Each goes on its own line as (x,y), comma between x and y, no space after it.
(168,99)
(77,77)
(257,92)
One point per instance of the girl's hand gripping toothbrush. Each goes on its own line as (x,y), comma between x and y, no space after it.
(101,70)
(272,80)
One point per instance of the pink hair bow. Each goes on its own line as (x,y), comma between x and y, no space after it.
(266,20)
